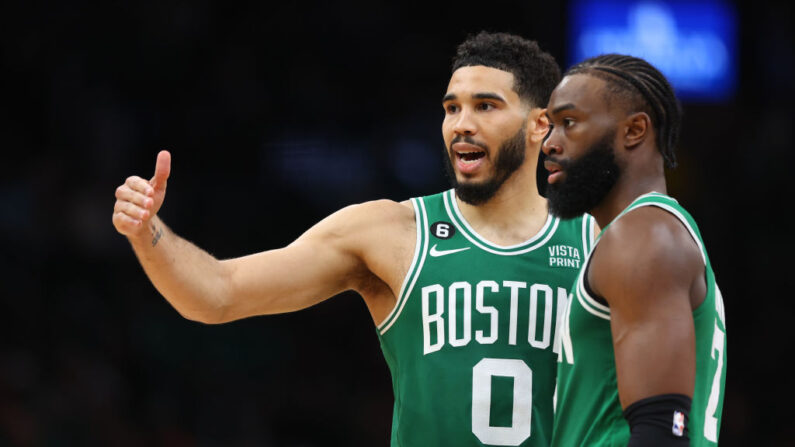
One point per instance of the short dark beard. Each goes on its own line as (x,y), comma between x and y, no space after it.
(510,157)
(588,180)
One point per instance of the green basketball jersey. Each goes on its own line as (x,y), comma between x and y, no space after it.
(589,412)
(472,341)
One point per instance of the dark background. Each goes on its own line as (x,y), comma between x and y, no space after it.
(276,115)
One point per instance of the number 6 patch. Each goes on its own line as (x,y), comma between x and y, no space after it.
(442,230)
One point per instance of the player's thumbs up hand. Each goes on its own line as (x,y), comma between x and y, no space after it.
(158,182)
(138,200)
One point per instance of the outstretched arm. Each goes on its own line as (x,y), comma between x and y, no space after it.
(329,258)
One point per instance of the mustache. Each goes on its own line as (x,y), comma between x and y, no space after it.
(469,140)
(564,164)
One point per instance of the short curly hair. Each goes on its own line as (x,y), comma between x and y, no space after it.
(535,71)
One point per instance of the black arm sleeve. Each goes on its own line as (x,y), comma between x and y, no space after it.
(659,421)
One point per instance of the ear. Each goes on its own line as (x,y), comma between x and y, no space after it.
(537,125)
(637,127)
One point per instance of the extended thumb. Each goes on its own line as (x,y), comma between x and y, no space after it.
(162,170)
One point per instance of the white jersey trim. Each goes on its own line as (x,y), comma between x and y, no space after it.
(587,301)
(419,254)
(452,210)
(602,311)
(587,234)
(681,218)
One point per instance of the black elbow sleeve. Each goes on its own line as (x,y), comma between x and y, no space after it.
(659,421)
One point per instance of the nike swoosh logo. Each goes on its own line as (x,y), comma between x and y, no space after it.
(436,253)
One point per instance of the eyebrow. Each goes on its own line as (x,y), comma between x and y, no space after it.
(449,97)
(559,109)
(485,95)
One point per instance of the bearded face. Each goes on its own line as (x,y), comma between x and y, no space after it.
(588,180)
(510,157)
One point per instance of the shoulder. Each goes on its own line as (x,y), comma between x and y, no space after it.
(377,213)
(382,235)
(646,247)
(359,226)
(652,231)
(388,207)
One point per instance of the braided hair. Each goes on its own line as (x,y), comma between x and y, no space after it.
(645,88)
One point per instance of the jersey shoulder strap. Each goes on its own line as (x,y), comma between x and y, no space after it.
(673,207)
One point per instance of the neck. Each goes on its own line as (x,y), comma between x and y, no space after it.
(515,213)
(628,188)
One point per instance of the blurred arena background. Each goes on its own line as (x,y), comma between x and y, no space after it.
(277,114)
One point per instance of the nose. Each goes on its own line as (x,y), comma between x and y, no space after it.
(550,145)
(465,124)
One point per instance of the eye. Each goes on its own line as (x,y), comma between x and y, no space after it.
(485,106)
(451,108)
(568,122)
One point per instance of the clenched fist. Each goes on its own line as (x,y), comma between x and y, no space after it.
(138,200)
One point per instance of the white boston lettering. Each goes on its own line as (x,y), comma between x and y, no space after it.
(466,295)
(448,314)
(492,311)
(514,286)
(567,353)
(429,319)
(534,303)
(562,306)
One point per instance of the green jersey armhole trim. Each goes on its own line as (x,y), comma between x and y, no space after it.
(544,234)
(420,249)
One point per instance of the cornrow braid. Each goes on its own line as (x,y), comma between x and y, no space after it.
(633,76)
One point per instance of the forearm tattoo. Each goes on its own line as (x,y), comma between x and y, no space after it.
(157,233)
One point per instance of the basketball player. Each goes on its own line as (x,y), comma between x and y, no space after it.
(643,361)
(465,287)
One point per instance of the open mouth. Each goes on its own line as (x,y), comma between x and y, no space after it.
(470,157)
